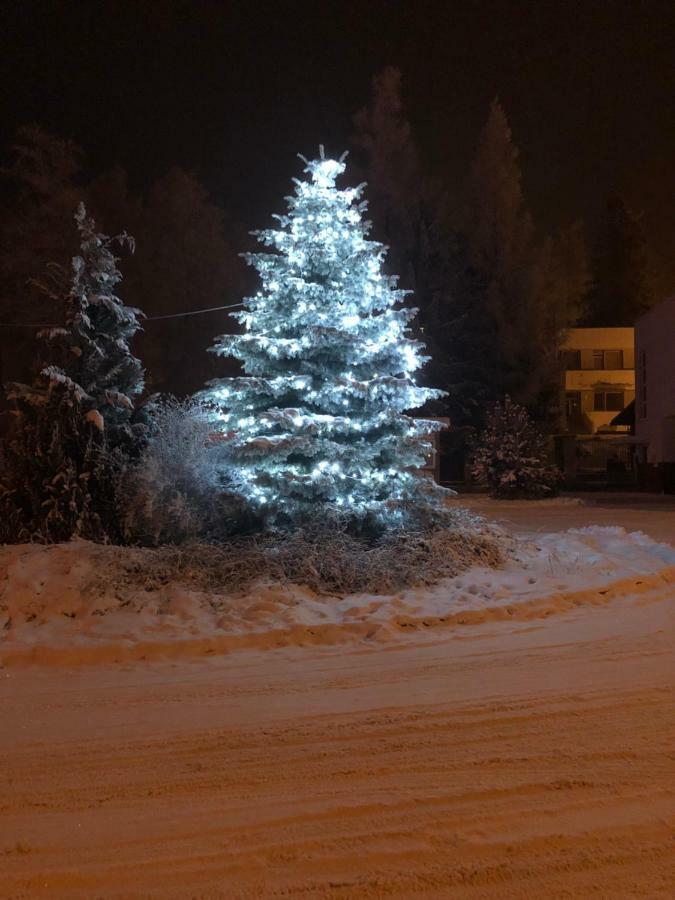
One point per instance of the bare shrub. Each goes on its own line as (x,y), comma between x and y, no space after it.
(174,493)
(322,555)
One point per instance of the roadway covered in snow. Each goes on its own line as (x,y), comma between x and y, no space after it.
(521,749)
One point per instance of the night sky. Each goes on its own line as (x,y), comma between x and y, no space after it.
(233,91)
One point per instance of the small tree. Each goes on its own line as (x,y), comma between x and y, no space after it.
(95,342)
(76,419)
(319,417)
(511,455)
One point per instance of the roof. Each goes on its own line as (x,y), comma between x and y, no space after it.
(626,416)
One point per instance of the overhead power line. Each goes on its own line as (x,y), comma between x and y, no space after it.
(193,312)
(180,315)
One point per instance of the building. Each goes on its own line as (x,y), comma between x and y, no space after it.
(432,466)
(655,399)
(599,378)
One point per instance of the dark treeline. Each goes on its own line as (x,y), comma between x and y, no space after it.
(495,293)
(186,256)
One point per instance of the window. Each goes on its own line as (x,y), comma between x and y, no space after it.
(608,401)
(614,401)
(608,359)
(572,359)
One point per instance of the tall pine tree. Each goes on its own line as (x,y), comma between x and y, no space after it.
(397,202)
(56,477)
(319,417)
(531,288)
(409,211)
(39,194)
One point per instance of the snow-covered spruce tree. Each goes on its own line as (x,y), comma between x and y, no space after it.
(511,456)
(74,424)
(95,341)
(319,418)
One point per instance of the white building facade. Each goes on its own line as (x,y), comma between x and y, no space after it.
(599,378)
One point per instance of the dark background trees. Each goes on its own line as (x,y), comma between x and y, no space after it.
(495,291)
(185,259)
(233,91)
(533,282)
(623,281)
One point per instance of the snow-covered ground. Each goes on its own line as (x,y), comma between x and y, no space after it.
(54,608)
(507,752)
(652,513)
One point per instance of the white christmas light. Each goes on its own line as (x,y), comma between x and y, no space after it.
(328,356)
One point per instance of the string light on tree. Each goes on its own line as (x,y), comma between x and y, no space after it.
(320,415)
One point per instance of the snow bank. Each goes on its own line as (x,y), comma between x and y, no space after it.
(54,610)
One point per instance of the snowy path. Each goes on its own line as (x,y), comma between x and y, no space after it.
(513,761)
(513,757)
(652,514)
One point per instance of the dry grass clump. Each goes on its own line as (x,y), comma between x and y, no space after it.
(323,555)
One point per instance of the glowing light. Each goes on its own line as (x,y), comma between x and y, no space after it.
(350,321)
(316,414)
(411,359)
(327,171)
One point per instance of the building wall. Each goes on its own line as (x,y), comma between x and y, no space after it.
(600,339)
(655,371)
(584,350)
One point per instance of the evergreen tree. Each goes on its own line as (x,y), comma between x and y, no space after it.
(396,185)
(511,457)
(56,476)
(500,234)
(569,276)
(39,194)
(409,212)
(185,262)
(531,288)
(460,334)
(94,344)
(622,282)
(319,417)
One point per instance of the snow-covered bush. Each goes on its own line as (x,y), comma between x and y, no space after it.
(511,455)
(175,491)
(54,482)
(73,427)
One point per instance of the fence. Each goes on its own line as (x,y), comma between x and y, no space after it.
(598,460)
